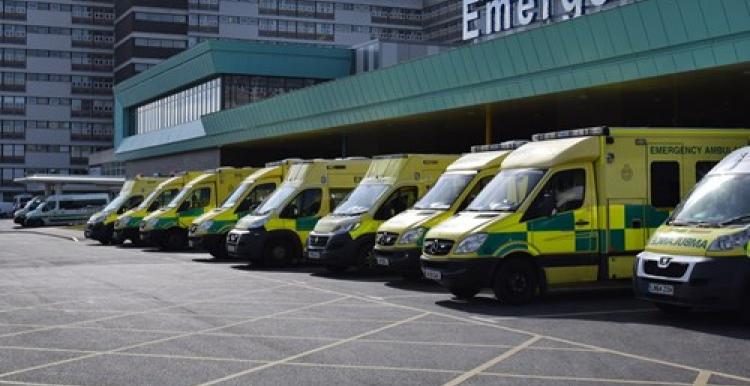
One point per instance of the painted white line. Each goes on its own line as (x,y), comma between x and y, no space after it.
(702,378)
(585,379)
(492,362)
(572,314)
(124,314)
(312,351)
(366,367)
(162,340)
(524,332)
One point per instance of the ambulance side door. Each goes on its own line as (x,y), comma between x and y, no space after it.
(561,225)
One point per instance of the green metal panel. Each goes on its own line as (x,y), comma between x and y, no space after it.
(642,40)
(214,58)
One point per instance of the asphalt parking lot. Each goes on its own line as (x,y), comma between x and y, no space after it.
(76,313)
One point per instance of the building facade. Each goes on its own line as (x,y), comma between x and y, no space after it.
(644,63)
(148,31)
(60,58)
(55,87)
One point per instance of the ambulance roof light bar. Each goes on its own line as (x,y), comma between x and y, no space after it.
(585,132)
(507,145)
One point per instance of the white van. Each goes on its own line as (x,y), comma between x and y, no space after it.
(66,209)
(19,216)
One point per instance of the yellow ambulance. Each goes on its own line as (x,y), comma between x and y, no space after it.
(571,207)
(100,225)
(398,243)
(209,231)
(126,225)
(699,257)
(393,183)
(168,227)
(274,233)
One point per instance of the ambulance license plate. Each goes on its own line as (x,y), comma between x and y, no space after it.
(661,289)
(383,261)
(432,274)
(231,248)
(313,255)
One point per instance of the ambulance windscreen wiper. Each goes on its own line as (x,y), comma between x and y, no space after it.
(699,224)
(736,220)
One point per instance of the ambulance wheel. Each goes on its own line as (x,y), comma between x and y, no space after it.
(745,305)
(174,240)
(219,250)
(34,223)
(411,275)
(278,253)
(672,309)
(365,259)
(105,241)
(515,282)
(464,293)
(337,269)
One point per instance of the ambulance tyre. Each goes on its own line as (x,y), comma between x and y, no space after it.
(279,252)
(672,309)
(219,250)
(337,269)
(744,310)
(174,240)
(464,293)
(364,259)
(411,275)
(34,223)
(516,282)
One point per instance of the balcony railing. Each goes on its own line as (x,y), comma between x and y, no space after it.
(395,21)
(13,87)
(12,159)
(13,134)
(13,39)
(297,13)
(13,16)
(13,110)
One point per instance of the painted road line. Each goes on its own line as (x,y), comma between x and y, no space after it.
(312,351)
(492,362)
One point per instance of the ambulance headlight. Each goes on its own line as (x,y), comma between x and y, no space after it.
(251,222)
(412,236)
(472,243)
(729,242)
(122,222)
(98,217)
(346,227)
(205,226)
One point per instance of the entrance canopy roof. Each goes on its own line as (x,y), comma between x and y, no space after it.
(644,41)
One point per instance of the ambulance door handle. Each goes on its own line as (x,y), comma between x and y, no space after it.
(581,223)
(636,224)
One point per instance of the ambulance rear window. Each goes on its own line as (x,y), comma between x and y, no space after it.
(702,168)
(665,184)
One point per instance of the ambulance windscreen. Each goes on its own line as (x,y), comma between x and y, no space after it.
(445,192)
(361,200)
(718,200)
(507,191)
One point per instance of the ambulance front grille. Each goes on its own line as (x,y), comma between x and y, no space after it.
(386,239)
(651,267)
(438,247)
(318,241)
